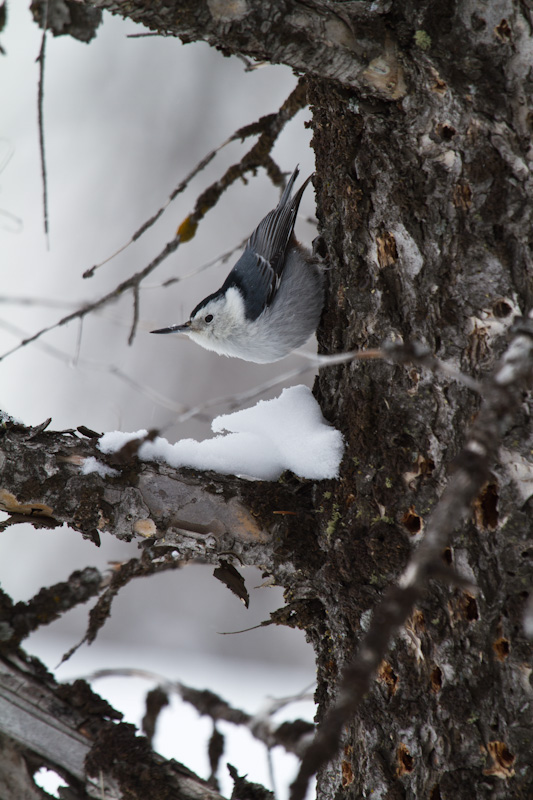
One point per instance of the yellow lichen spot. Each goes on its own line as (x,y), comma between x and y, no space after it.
(187,229)
(422,40)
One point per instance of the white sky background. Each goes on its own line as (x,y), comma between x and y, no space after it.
(125,121)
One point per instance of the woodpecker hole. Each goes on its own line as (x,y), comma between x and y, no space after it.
(435,679)
(427,465)
(405,761)
(502,760)
(412,521)
(435,793)
(386,250)
(468,606)
(503,31)
(486,507)
(446,131)
(501,309)
(447,556)
(502,648)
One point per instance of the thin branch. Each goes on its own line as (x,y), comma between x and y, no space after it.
(40,101)
(143,389)
(49,603)
(501,396)
(19,300)
(290,735)
(269,127)
(399,353)
(13,224)
(257,156)
(135,320)
(410,352)
(153,219)
(214,262)
(73,731)
(127,285)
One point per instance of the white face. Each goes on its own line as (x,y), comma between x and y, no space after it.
(217,323)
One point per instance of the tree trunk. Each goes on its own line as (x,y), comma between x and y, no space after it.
(422,120)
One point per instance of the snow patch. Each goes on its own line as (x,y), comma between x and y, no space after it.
(261,442)
(91,464)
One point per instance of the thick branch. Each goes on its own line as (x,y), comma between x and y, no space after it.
(351,46)
(68,728)
(195,515)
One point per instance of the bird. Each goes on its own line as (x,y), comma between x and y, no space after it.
(271,301)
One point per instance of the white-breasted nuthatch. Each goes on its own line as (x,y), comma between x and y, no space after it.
(272,299)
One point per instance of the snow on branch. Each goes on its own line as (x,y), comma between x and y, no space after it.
(288,432)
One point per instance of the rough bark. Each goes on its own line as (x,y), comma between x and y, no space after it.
(422,119)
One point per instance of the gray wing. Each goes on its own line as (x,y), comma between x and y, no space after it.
(258,271)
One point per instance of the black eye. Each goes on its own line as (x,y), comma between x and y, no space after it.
(209,318)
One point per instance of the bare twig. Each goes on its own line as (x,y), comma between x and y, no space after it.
(291,736)
(143,389)
(258,156)
(269,127)
(410,352)
(16,222)
(153,219)
(40,101)
(399,353)
(220,259)
(501,395)
(135,320)
(20,300)
(127,285)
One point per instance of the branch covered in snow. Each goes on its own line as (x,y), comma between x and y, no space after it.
(50,478)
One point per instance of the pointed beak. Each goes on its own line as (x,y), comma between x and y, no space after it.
(175,328)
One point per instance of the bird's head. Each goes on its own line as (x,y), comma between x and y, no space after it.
(215,322)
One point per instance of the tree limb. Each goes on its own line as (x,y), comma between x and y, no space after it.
(347,42)
(66,728)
